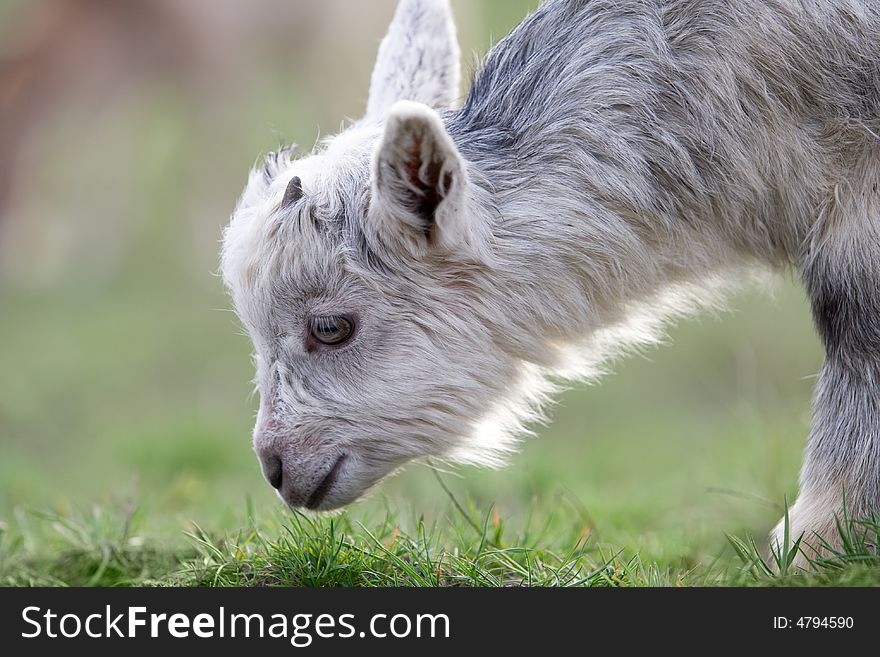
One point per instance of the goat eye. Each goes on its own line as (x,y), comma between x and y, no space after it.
(331,329)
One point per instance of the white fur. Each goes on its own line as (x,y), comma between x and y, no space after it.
(418,60)
(616,164)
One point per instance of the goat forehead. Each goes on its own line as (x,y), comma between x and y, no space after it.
(266,242)
(339,165)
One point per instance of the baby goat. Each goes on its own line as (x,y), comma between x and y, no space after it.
(411,284)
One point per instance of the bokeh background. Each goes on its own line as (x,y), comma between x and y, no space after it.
(126,133)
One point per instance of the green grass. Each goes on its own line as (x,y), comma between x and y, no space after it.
(107,549)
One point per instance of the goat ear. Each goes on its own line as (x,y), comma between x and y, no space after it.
(419,181)
(418,59)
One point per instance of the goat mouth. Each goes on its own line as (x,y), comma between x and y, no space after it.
(326,484)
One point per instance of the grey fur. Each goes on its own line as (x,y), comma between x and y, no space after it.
(615,164)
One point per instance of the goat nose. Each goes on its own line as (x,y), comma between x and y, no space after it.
(273,470)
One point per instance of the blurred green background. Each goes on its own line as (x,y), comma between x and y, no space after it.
(126,133)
